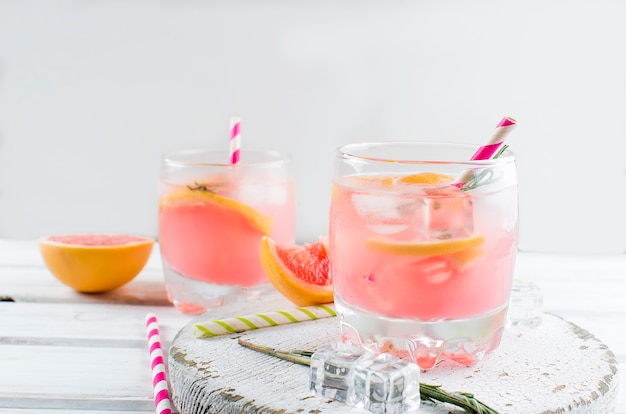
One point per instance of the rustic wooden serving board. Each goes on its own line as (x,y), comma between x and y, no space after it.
(555,368)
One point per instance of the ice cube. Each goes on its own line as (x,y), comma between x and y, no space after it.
(377,382)
(526,305)
(377,207)
(331,369)
(252,195)
(448,217)
(383,214)
(386,384)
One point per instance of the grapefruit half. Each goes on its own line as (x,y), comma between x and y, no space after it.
(300,272)
(93,263)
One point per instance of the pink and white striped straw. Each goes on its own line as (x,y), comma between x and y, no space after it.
(485,152)
(162,403)
(235,140)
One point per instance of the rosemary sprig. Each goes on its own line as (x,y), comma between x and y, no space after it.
(476,179)
(463,400)
(428,392)
(296,356)
(203,187)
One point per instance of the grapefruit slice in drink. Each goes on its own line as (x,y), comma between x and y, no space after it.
(425,248)
(300,272)
(186,197)
(212,238)
(95,262)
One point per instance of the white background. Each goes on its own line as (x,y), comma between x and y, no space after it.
(92,92)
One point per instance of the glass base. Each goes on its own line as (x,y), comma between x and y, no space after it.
(196,297)
(464,341)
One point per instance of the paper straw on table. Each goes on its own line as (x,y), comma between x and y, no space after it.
(262,320)
(235,140)
(162,403)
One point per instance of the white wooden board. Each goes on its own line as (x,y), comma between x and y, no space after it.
(558,367)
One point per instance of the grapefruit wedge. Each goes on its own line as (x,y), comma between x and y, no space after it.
(93,263)
(300,272)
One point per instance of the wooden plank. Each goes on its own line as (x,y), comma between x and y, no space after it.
(75,377)
(605,326)
(33,284)
(76,356)
(107,325)
(69,411)
(620,406)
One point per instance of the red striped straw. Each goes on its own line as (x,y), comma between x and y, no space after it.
(162,403)
(497,139)
(235,140)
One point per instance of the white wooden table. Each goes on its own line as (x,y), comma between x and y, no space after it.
(64,352)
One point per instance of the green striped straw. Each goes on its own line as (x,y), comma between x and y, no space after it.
(262,320)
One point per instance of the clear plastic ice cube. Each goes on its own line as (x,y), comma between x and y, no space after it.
(526,305)
(377,382)
(330,371)
(386,384)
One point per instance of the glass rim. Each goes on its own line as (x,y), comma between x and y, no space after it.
(180,158)
(346,152)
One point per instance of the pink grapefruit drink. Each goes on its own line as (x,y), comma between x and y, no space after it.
(212,218)
(422,266)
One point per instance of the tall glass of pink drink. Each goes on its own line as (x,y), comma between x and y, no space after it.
(422,248)
(212,216)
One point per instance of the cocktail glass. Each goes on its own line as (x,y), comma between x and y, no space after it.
(212,216)
(422,248)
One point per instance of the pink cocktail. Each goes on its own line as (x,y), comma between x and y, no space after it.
(422,264)
(212,216)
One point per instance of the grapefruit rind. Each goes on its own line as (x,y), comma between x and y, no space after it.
(440,247)
(426,178)
(288,284)
(258,220)
(92,268)
(388,181)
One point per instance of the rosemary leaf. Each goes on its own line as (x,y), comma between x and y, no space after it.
(476,179)
(210,188)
